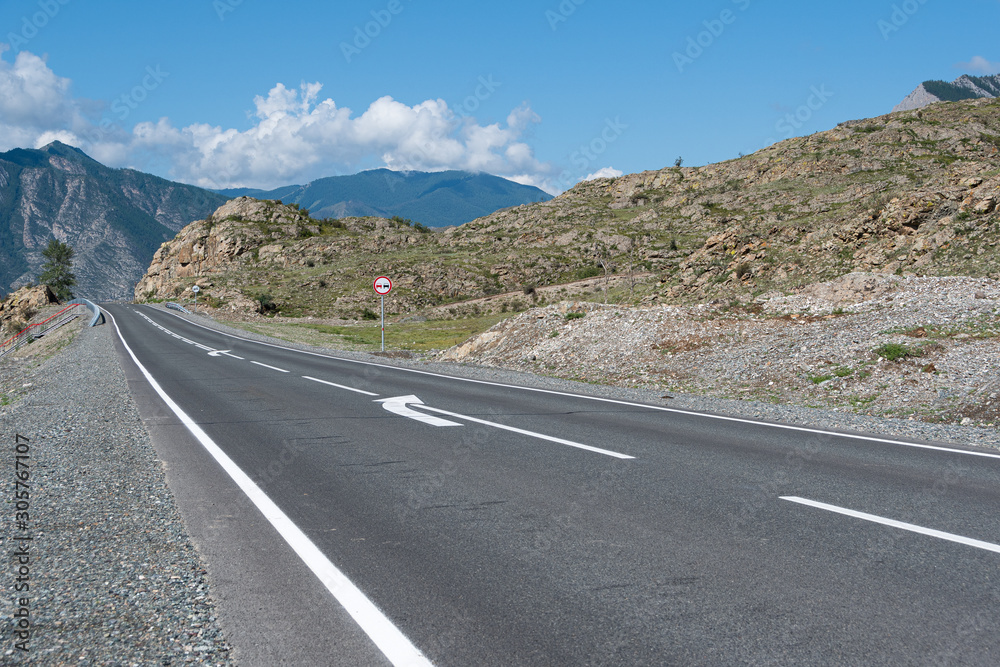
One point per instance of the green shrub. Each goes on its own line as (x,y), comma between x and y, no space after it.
(266,304)
(369,314)
(575,316)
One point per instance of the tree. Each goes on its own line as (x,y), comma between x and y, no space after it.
(56,271)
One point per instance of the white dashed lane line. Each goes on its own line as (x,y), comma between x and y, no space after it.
(273,368)
(339,386)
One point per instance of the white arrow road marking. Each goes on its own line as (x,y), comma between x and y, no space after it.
(216,353)
(951,537)
(397,406)
(540,436)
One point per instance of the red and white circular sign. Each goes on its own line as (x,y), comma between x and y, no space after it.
(383,285)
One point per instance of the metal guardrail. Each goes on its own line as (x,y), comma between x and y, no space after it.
(98,315)
(176,306)
(28,334)
(34,331)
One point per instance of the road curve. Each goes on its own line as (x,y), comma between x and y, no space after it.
(488,524)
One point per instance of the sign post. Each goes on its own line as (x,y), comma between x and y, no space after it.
(196,289)
(382,287)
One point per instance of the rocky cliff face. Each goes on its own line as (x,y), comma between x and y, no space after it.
(909,193)
(113,218)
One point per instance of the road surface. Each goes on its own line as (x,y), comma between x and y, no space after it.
(354,513)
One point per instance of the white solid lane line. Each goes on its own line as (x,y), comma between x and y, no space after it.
(951,537)
(340,386)
(273,368)
(540,436)
(389,639)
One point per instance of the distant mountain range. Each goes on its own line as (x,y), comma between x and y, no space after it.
(964,87)
(115,219)
(438,199)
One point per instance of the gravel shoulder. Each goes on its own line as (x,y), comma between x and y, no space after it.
(113,576)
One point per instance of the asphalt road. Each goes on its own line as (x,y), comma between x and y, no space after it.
(496,525)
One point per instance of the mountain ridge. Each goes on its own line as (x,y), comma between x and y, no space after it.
(435,199)
(114,218)
(965,87)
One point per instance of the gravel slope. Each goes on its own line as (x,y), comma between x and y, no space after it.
(114,579)
(918,349)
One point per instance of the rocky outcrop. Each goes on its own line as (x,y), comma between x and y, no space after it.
(18,308)
(917,99)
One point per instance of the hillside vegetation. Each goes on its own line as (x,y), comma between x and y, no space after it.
(913,192)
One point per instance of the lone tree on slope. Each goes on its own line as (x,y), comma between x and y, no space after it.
(56,271)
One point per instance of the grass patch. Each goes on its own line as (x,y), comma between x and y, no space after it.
(366,336)
(897,351)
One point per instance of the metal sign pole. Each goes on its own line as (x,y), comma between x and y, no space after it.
(382,287)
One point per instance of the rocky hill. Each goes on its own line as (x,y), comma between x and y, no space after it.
(964,87)
(114,218)
(438,199)
(913,192)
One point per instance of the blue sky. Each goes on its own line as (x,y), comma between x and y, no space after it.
(246,93)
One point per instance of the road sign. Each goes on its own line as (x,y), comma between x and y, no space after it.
(383,285)
(195,289)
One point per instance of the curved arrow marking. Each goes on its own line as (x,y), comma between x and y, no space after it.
(398,406)
(216,353)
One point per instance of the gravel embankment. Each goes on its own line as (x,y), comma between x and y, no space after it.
(114,578)
(818,357)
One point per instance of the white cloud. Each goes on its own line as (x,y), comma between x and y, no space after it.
(980,65)
(34,102)
(606,172)
(296,136)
